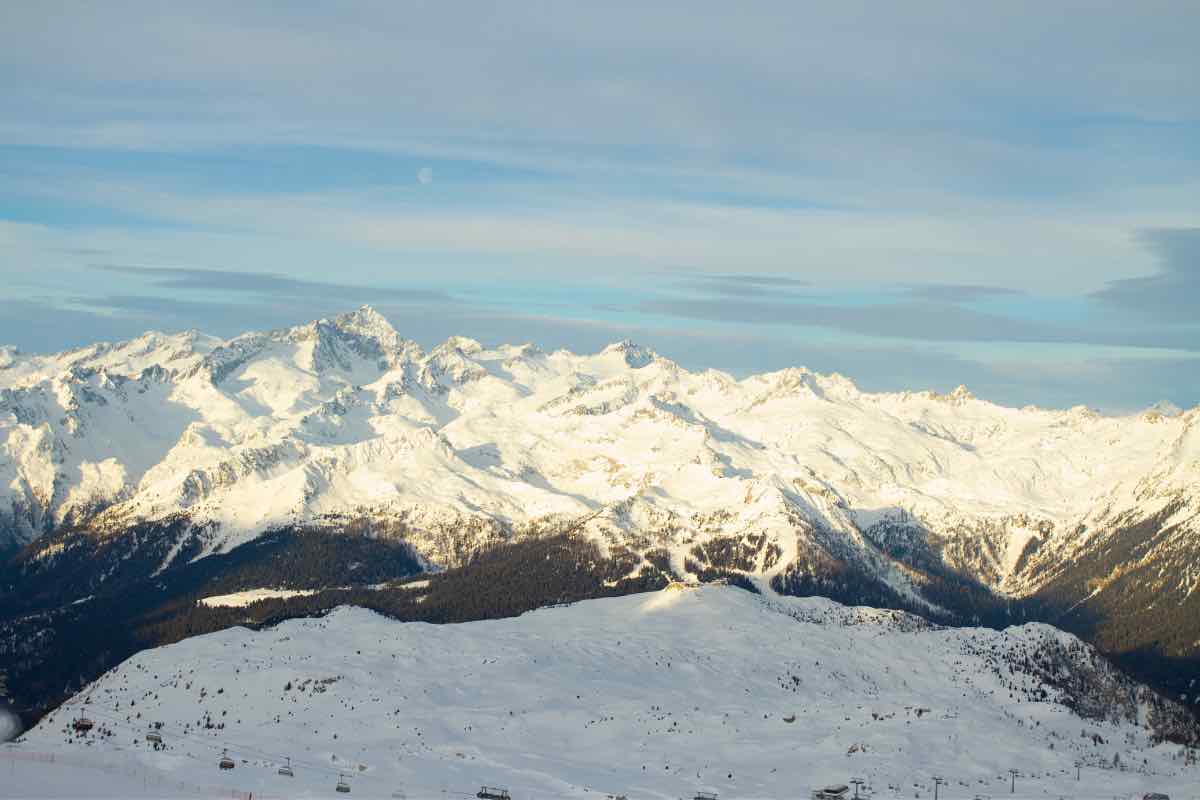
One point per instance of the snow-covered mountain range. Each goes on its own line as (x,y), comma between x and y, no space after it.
(467,445)
(650,695)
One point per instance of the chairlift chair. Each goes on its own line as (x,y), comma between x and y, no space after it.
(226,762)
(706,796)
(154,738)
(831,792)
(492,793)
(286,769)
(342,786)
(82,725)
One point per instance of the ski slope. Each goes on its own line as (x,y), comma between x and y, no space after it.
(650,696)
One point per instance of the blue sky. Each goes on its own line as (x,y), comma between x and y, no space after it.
(917,195)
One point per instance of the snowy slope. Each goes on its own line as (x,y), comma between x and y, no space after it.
(652,696)
(344,418)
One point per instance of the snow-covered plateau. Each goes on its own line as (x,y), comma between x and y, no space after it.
(655,695)
(467,445)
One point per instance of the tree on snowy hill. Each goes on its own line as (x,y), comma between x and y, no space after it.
(709,574)
(75,603)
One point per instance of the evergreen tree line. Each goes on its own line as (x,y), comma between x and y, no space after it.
(53,652)
(77,602)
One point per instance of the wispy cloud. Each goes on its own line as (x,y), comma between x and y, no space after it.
(958,292)
(876,175)
(748,285)
(922,321)
(265,283)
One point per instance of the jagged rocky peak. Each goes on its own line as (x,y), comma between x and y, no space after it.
(634,355)
(801,381)
(839,383)
(461,344)
(797,378)
(365,324)
(364,332)
(593,429)
(175,352)
(450,363)
(155,340)
(1163,408)
(961,394)
(527,350)
(368,323)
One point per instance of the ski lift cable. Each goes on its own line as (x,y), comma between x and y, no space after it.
(276,758)
(227,746)
(216,743)
(223,745)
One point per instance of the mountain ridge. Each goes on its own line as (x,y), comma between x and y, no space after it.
(795,481)
(345,416)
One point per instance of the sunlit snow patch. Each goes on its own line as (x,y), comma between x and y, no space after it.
(240,599)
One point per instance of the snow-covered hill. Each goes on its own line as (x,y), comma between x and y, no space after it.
(466,445)
(651,695)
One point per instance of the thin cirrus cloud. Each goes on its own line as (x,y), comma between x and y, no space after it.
(263,283)
(921,320)
(904,320)
(748,285)
(959,292)
(936,189)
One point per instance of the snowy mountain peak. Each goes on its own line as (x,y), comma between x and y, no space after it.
(797,379)
(961,394)
(461,344)
(635,355)
(316,421)
(1164,408)
(176,353)
(368,323)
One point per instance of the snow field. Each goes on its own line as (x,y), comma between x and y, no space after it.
(651,696)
